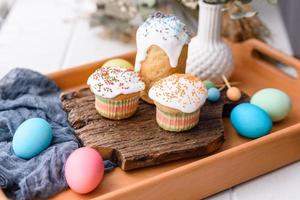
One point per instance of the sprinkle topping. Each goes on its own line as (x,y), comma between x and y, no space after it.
(179,91)
(109,82)
(168,26)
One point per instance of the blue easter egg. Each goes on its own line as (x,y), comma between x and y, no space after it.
(250,120)
(213,94)
(31,138)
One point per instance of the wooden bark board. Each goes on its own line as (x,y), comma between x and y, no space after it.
(138,141)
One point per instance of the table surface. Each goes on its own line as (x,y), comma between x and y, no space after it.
(50,35)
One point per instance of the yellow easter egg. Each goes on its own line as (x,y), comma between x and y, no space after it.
(118,62)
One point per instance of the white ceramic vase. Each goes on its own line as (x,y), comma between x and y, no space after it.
(209,57)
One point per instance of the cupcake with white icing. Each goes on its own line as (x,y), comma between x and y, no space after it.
(178,99)
(162,45)
(117,91)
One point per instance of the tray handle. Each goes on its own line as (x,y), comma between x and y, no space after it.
(273,53)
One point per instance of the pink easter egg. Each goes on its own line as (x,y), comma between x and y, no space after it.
(84,170)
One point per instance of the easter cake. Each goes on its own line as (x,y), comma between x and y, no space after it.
(117,91)
(178,99)
(162,45)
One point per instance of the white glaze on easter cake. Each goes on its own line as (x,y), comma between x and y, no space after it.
(109,82)
(165,31)
(179,91)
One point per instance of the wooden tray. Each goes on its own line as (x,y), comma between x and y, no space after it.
(238,160)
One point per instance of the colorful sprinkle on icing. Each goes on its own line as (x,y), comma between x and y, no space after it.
(182,92)
(165,31)
(168,26)
(109,82)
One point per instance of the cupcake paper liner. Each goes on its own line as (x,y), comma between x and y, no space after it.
(116,109)
(177,122)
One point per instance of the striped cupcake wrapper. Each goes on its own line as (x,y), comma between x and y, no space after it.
(116,109)
(177,122)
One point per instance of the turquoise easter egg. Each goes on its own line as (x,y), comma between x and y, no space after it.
(208,84)
(31,138)
(275,102)
(250,120)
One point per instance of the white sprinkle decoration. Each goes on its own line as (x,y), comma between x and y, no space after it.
(109,82)
(179,92)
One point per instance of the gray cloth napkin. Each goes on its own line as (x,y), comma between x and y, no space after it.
(26,94)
